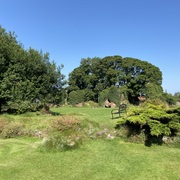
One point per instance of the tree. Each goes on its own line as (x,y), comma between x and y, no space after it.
(137,74)
(27,76)
(99,74)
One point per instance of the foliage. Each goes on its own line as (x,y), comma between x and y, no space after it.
(76,97)
(91,104)
(130,74)
(103,96)
(3,123)
(177,96)
(113,94)
(68,133)
(153,120)
(169,98)
(26,76)
(66,123)
(153,91)
(59,142)
(12,130)
(175,142)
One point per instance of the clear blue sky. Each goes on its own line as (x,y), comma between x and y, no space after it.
(74,29)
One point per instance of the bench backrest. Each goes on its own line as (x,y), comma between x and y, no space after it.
(122,107)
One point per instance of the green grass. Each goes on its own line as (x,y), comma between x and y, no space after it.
(99,159)
(99,115)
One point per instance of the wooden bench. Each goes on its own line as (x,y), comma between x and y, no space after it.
(122,109)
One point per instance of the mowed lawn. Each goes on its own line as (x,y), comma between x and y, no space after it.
(21,158)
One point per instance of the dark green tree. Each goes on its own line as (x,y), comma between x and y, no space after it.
(26,76)
(131,74)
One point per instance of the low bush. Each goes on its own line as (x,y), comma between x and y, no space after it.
(60,142)
(65,123)
(91,104)
(130,134)
(152,120)
(3,123)
(12,130)
(67,133)
(172,141)
(176,142)
(76,97)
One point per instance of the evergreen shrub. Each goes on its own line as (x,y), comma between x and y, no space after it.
(76,97)
(155,121)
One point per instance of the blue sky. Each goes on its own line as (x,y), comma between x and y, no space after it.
(74,29)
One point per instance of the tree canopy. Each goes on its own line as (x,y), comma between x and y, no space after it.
(130,74)
(27,77)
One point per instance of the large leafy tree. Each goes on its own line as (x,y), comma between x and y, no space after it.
(131,74)
(26,76)
(138,74)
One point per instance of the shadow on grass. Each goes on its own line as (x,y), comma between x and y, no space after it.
(55,113)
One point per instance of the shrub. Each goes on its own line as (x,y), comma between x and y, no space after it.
(91,104)
(76,97)
(12,130)
(89,128)
(18,107)
(67,132)
(131,133)
(175,143)
(155,103)
(113,94)
(65,123)
(45,109)
(169,98)
(60,142)
(3,123)
(154,121)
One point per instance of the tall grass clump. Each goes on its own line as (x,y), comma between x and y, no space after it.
(12,130)
(3,123)
(67,133)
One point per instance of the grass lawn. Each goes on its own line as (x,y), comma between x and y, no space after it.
(96,159)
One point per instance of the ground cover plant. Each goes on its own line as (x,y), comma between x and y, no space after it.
(97,158)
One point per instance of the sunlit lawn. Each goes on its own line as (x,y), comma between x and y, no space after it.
(96,159)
